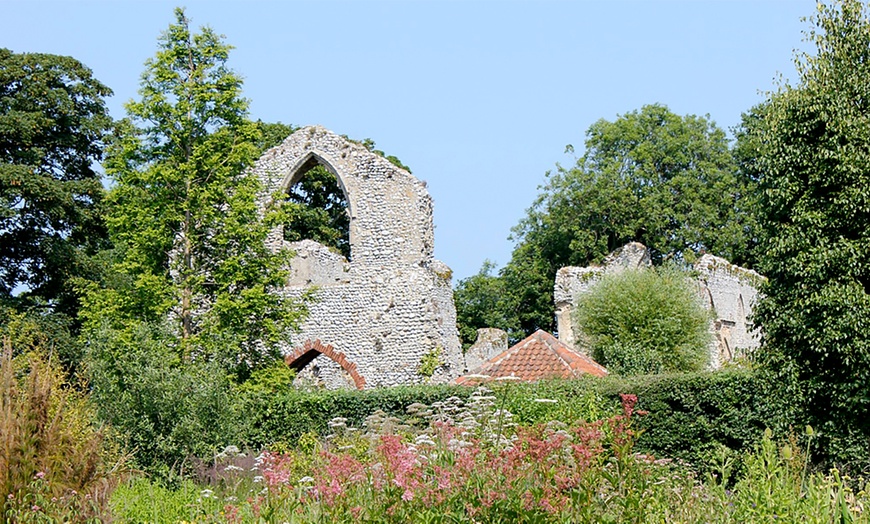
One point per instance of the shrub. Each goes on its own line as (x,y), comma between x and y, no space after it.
(692,415)
(645,321)
(165,409)
(54,460)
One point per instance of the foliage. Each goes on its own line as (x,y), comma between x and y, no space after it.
(276,378)
(814,159)
(692,415)
(53,119)
(272,134)
(281,418)
(651,176)
(46,333)
(430,362)
(477,300)
(54,459)
(645,321)
(465,461)
(184,213)
(164,409)
(369,144)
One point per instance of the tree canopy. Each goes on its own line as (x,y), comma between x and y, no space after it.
(53,119)
(814,164)
(670,182)
(183,214)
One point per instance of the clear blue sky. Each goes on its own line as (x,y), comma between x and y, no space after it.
(479,98)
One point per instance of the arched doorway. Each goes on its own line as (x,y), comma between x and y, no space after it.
(311,349)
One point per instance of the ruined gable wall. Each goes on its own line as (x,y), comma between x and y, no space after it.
(392,302)
(728,291)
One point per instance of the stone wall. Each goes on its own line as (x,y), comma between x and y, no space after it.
(573,281)
(490,342)
(728,291)
(381,311)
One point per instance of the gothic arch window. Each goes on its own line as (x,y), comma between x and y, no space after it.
(317,206)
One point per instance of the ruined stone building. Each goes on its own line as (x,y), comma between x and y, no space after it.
(375,318)
(728,291)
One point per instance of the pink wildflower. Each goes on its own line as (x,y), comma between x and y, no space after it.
(232,514)
(628,403)
(401,462)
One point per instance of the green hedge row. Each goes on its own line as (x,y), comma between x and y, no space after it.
(284,417)
(691,416)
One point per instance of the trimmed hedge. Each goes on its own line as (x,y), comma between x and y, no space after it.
(691,416)
(284,417)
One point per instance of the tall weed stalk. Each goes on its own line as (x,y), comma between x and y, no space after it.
(51,451)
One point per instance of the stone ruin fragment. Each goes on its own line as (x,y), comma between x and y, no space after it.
(727,290)
(374,317)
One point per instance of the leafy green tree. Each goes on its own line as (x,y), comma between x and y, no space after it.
(184,216)
(53,119)
(815,172)
(651,176)
(477,299)
(645,321)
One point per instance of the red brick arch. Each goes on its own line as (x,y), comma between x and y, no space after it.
(303,355)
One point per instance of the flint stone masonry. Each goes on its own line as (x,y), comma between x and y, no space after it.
(490,342)
(727,290)
(731,293)
(573,281)
(381,311)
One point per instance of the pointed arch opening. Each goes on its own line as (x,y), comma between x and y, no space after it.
(311,349)
(317,205)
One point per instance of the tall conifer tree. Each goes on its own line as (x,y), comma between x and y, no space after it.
(184,213)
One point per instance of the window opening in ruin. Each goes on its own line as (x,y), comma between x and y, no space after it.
(317,209)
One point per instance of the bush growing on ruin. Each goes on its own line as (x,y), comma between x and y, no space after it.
(645,321)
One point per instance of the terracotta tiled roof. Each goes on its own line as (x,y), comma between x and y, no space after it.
(539,356)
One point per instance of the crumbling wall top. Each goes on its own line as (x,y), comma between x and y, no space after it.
(390,210)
